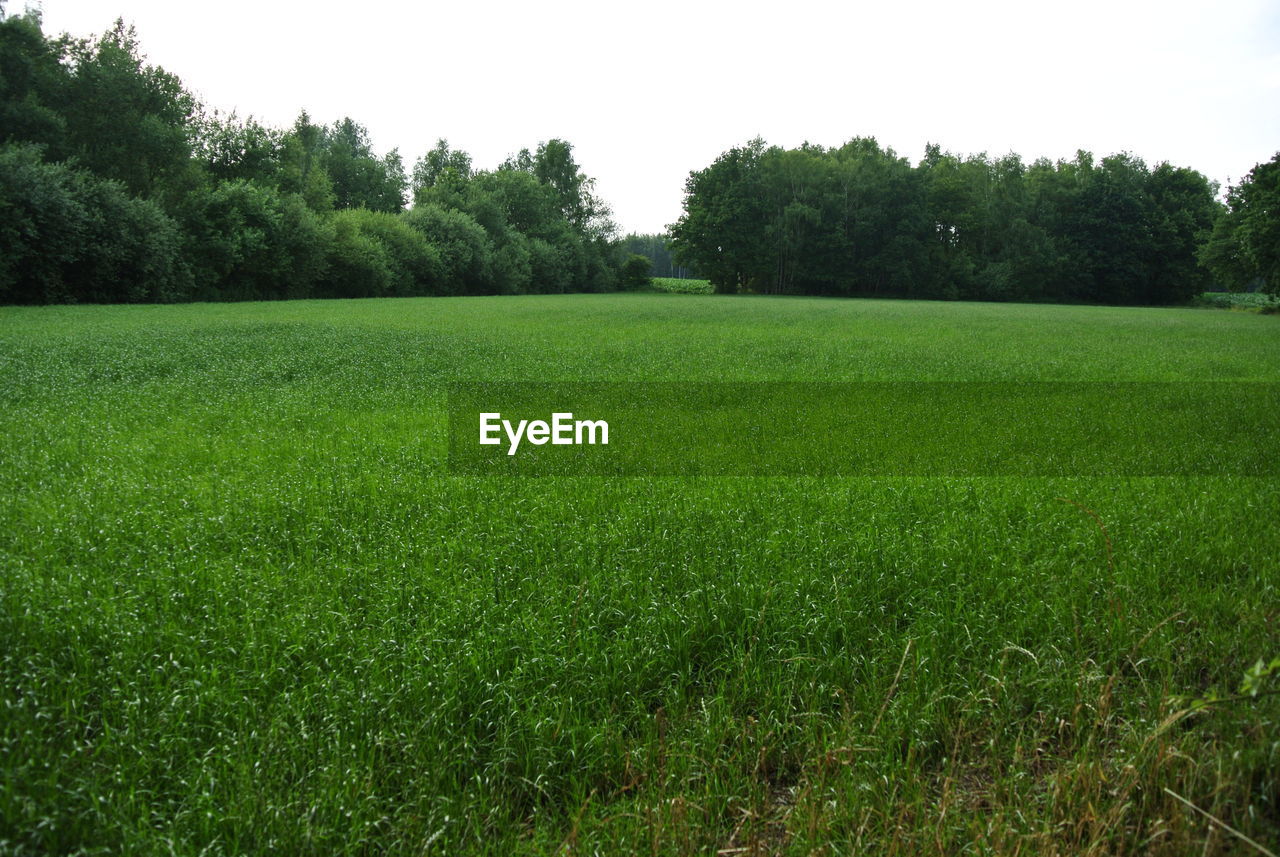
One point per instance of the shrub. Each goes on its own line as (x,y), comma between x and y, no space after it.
(549,268)
(248,241)
(466,253)
(512,266)
(66,235)
(635,273)
(359,265)
(416,266)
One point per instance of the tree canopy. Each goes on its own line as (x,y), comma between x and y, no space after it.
(1244,249)
(116,184)
(111,168)
(859,219)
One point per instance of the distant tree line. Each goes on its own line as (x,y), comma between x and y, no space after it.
(860,220)
(117,185)
(657,249)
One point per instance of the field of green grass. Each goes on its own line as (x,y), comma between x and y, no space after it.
(246,607)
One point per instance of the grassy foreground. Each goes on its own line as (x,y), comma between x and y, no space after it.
(245,609)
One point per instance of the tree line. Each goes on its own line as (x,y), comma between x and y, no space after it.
(657,249)
(860,220)
(117,185)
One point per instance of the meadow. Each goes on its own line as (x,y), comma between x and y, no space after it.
(246,607)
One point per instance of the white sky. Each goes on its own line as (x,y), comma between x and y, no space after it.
(647,92)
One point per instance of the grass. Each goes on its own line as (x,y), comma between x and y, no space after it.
(245,608)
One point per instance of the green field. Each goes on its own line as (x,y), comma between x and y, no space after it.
(245,608)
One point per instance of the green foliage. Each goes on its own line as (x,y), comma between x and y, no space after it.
(555,268)
(1248,301)
(416,265)
(720,231)
(682,286)
(441,167)
(360,178)
(302,169)
(859,220)
(231,149)
(635,274)
(359,265)
(67,235)
(125,120)
(247,240)
(656,248)
(32,82)
(1257,678)
(554,166)
(1244,250)
(546,232)
(376,254)
(512,265)
(255,206)
(466,252)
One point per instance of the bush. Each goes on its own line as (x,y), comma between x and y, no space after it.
(416,267)
(132,250)
(248,241)
(549,268)
(466,253)
(512,265)
(601,273)
(359,265)
(66,235)
(635,273)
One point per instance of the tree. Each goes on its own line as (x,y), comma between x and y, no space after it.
(1182,213)
(657,249)
(721,230)
(635,273)
(33,79)
(554,166)
(302,169)
(466,250)
(447,168)
(246,240)
(1244,250)
(230,148)
(360,178)
(67,235)
(118,185)
(124,119)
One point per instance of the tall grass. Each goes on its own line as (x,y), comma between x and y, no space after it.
(245,609)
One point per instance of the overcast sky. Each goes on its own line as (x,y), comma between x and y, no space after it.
(647,92)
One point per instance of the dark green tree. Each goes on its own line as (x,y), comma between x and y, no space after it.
(246,240)
(721,232)
(442,167)
(124,119)
(1244,249)
(67,235)
(553,165)
(33,83)
(302,169)
(360,178)
(635,273)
